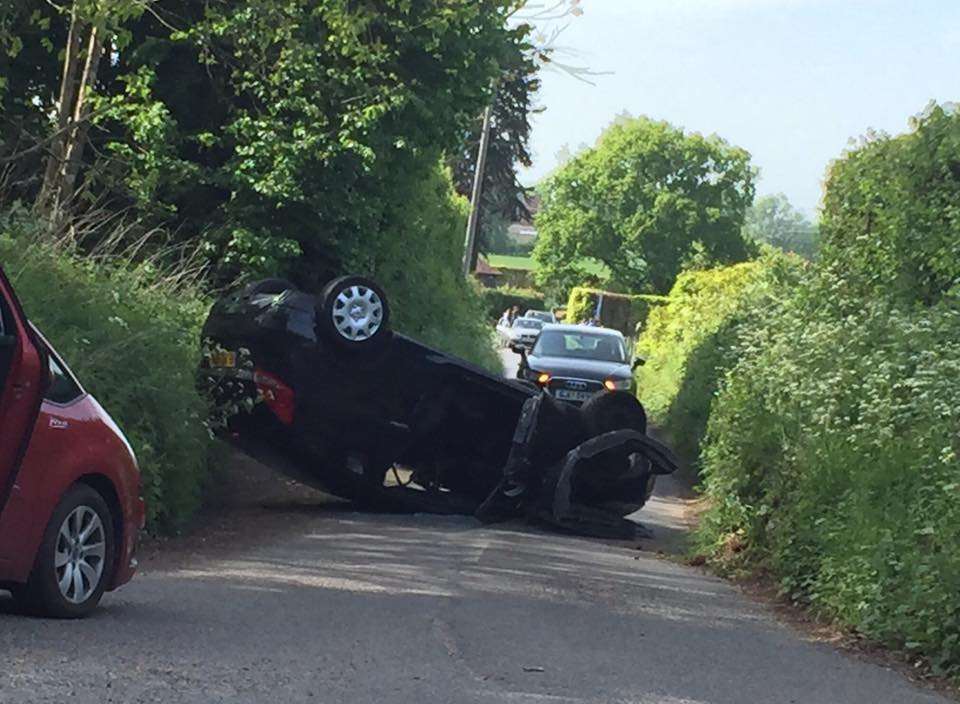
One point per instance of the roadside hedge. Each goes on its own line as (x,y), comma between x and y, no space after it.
(832,460)
(891,212)
(134,343)
(497,300)
(831,456)
(688,341)
(623,312)
(429,298)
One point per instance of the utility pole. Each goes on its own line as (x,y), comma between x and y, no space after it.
(469,248)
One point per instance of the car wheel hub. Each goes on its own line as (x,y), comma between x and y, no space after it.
(357,313)
(80,554)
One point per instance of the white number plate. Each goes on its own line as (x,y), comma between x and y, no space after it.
(566,395)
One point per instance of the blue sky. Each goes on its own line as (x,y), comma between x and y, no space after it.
(791,81)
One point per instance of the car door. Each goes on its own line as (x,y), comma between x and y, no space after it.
(21,386)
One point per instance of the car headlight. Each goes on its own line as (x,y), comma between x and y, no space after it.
(617,384)
(542,378)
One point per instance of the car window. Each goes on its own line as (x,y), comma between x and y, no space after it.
(8,330)
(580,345)
(63,388)
(6,318)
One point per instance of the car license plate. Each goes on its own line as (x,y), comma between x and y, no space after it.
(566,395)
(223,358)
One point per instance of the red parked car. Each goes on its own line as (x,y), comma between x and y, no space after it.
(70,506)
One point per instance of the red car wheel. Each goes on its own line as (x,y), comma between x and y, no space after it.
(74,563)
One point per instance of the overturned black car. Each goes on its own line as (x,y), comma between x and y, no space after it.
(352,408)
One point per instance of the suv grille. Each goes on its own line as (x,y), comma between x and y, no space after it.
(575,384)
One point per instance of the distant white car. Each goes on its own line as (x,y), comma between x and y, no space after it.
(544,315)
(523,333)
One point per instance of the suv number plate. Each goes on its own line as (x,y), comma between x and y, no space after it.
(566,395)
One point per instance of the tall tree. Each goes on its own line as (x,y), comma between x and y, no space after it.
(643,201)
(267,135)
(773,220)
(503,196)
(31,35)
(890,221)
(92,25)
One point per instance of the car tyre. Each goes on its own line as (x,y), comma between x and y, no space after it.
(614,410)
(75,561)
(353,312)
(620,410)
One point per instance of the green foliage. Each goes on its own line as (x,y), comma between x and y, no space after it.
(640,201)
(430,300)
(304,118)
(299,138)
(623,312)
(497,300)
(134,344)
(891,211)
(31,34)
(689,341)
(772,220)
(271,136)
(832,455)
(143,142)
(594,269)
(582,304)
(511,261)
(503,198)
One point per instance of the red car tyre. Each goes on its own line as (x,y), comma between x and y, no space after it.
(75,560)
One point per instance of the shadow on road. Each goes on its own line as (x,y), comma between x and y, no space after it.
(292,597)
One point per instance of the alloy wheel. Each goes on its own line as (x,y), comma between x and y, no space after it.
(80,553)
(357,313)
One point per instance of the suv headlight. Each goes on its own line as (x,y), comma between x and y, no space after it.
(617,384)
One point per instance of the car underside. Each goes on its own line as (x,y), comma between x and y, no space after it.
(319,387)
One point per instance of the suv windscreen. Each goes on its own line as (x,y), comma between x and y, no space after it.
(580,345)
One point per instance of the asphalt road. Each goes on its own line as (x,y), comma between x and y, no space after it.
(286,597)
(511,360)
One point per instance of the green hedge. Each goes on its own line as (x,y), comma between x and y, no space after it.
(134,344)
(832,460)
(623,312)
(688,341)
(891,221)
(430,299)
(497,300)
